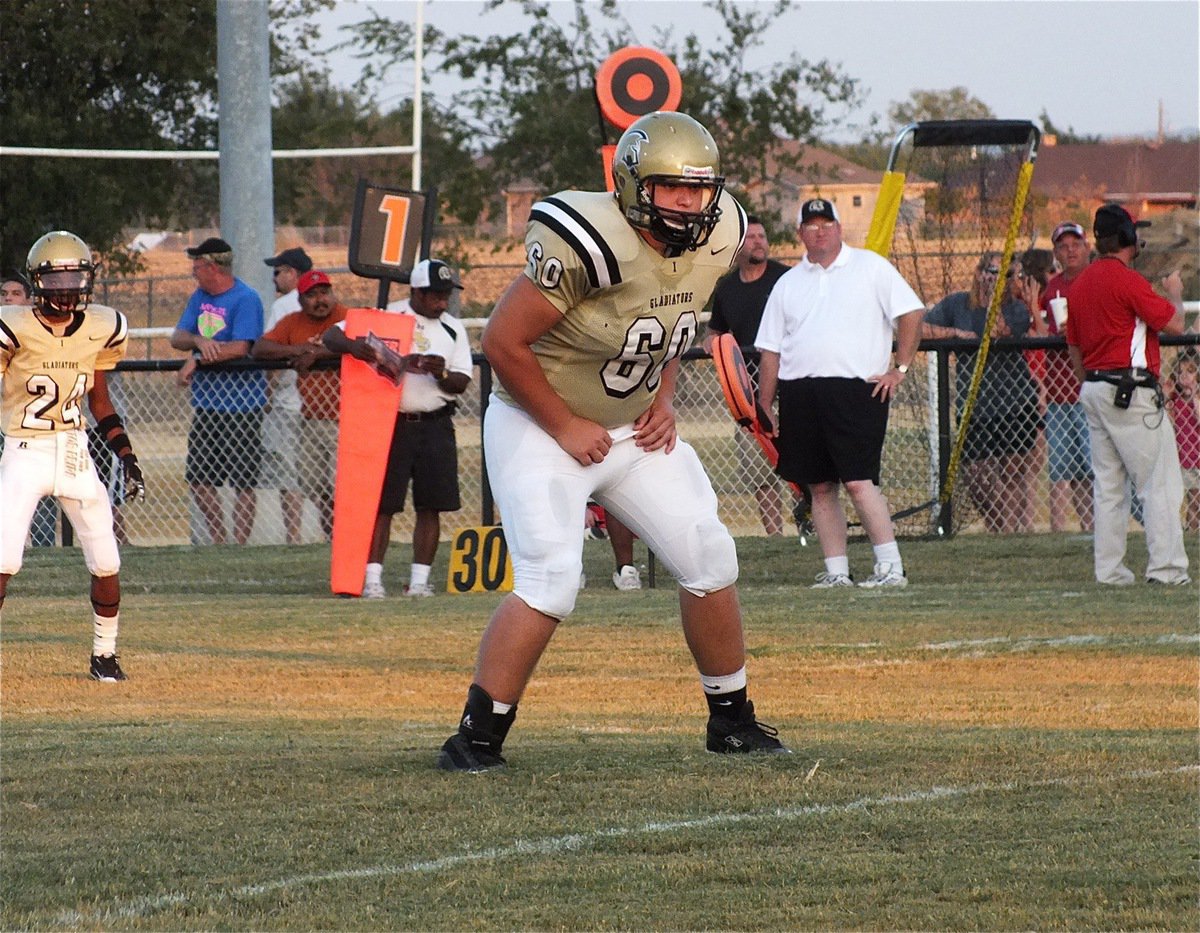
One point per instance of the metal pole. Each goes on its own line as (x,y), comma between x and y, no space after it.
(418,59)
(945,446)
(244,125)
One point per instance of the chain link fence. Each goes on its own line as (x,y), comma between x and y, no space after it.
(1046,486)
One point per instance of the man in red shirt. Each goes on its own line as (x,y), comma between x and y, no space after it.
(297,339)
(1113,324)
(1066,425)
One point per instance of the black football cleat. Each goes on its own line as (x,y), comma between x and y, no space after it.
(744,736)
(473,757)
(106,669)
(475,747)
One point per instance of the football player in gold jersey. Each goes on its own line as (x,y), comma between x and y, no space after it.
(585,345)
(53,354)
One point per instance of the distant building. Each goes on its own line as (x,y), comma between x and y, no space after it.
(853,188)
(1147,178)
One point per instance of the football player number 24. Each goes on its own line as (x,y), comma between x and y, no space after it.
(479,561)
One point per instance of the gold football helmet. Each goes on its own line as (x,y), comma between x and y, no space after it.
(668,148)
(61,271)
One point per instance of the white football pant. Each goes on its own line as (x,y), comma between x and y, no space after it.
(542,492)
(55,465)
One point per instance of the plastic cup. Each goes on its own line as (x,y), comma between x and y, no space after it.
(1058,307)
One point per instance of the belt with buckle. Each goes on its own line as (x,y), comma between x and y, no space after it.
(1141,378)
(444,412)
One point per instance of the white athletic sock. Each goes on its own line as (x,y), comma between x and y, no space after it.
(419,575)
(104,634)
(888,554)
(838,565)
(726,683)
(374,573)
(500,708)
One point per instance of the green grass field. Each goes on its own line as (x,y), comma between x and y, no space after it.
(1002,745)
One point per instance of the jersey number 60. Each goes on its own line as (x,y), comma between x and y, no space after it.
(646,336)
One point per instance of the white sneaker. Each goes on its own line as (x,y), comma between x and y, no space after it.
(373,590)
(886,574)
(827,581)
(418,589)
(627,578)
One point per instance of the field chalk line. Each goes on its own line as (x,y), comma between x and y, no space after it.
(574,842)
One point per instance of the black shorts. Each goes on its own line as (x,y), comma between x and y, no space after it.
(224,448)
(830,430)
(425,452)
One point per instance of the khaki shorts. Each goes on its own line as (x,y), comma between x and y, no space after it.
(318,466)
(280,445)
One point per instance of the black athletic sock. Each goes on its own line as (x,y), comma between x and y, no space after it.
(726,705)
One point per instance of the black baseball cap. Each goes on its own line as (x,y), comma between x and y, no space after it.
(818,207)
(1112,219)
(434,275)
(294,258)
(209,247)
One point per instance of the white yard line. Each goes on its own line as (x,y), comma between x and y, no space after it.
(573,842)
(1024,643)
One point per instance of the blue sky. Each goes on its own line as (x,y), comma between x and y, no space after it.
(1098,67)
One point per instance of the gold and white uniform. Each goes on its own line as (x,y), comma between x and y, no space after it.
(627,311)
(45,374)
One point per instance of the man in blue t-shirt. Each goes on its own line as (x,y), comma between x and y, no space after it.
(222,320)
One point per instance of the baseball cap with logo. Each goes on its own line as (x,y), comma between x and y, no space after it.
(1112,219)
(1067,226)
(310,280)
(212,246)
(433,274)
(294,258)
(818,207)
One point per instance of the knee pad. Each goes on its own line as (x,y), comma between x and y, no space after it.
(103,561)
(711,560)
(550,589)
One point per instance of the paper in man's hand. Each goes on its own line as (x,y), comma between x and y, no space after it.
(388,363)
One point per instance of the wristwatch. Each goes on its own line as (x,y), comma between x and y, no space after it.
(902,368)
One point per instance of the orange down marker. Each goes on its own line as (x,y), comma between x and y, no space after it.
(367,418)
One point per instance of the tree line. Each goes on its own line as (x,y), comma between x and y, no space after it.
(141,74)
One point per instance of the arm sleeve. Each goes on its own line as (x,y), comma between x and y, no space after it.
(941,314)
(282,331)
(247,318)
(189,320)
(770,328)
(897,295)
(555,267)
(717,320)
(1148,305)
(116,345)
(461,361)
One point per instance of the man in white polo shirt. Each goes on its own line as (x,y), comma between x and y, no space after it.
(826,344)
(424,449)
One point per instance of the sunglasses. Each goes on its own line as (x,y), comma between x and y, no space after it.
(992,270)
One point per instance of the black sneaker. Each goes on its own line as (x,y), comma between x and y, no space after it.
(744,736)
(473,756)
(106,669)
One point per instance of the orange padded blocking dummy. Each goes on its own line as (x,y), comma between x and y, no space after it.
(367,418)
